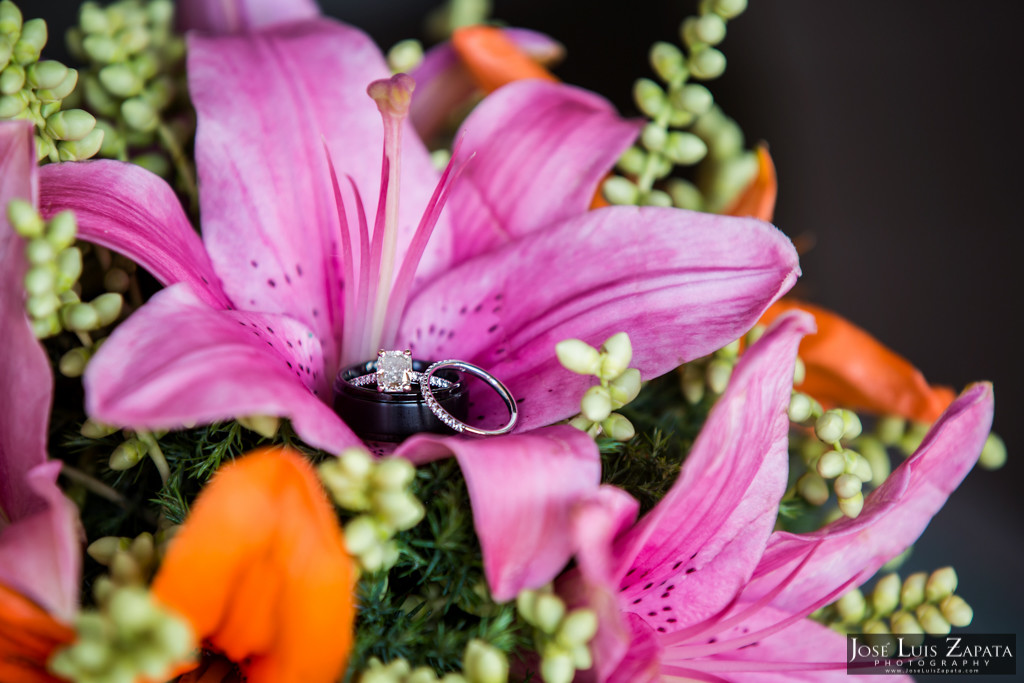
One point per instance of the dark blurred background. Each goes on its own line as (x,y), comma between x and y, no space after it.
(896,134)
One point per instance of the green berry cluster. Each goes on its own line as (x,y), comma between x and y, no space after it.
(55,264)
(481,663)
(35,90)
(379,489)
(922,603)
(561,636)
(674,103)
(619,385)
(134,76)
(127,635)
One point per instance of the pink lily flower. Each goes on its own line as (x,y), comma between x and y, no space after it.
(40,555)
(701,588)
(288,284)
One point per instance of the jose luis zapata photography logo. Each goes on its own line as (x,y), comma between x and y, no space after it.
(915,654)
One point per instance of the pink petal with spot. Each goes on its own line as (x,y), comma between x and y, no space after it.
(681,283)
(239,16)
(894,514)
(541,151)
(692,554)
(134,212)
(178,362)
(524,531)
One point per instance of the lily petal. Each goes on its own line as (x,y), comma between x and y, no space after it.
(28,637)
(444,83)
(846,366)
(493,58)
(239,16)
(24,368)
(134,212)
(40,552)
(176,361)
(524,532)
(541,150)
(894,514)
(682,284)
(267,103)
(704,538)
(261,572)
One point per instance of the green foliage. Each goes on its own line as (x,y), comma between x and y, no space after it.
(434,600)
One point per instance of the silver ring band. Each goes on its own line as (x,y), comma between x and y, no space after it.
(426,380)
(415,377)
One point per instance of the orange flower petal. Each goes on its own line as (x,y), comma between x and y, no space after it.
(261,572)
(28,637)
(493,60)
(848,367)
(758,198)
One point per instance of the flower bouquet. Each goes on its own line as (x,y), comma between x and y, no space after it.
(329,364)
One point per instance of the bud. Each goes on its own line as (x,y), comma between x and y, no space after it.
(625,387)
(139,115)
(728,9)
(800,407)
(578,356)
(578,628)
(61,230)
(128,454)
(829,427)
(12,105)
(73,124)
(717,374)
(654,137)
(10,17)
(831,464)
(484,663)
(618,353)
(618,190)
(847,486)
(548,612)
(42,305)
(557,668)
(890,429)
(912,593)
(852,607)
(905,623)
(993,454)
(851,507)
(121,80)
(72,363)
(103,549)
(941,584)
(31,43)
(361,534)
(886,595)
(12,79)
(69,268)
(956,611)
(812,488)
(931,620)
(685,148)
(80,317)
(692,383)
(596,404)
(706,63)
(40,280)
(46,74)
(393,474)
(618,427)
(405,56)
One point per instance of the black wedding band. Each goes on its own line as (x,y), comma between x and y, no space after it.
(394,416)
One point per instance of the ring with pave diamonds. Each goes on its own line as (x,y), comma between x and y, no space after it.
(459,426)
(393,372)
(396,414)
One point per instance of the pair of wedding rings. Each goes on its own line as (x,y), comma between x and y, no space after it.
(378,400)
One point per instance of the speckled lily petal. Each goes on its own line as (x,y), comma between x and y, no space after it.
(267,103)
(134,212)
(239,16)
(682,284)
(176,361)
(541,151)
(524,532)
(894,514)
(699,546)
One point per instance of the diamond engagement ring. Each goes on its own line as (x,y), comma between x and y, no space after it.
(426,384)
(394,373)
